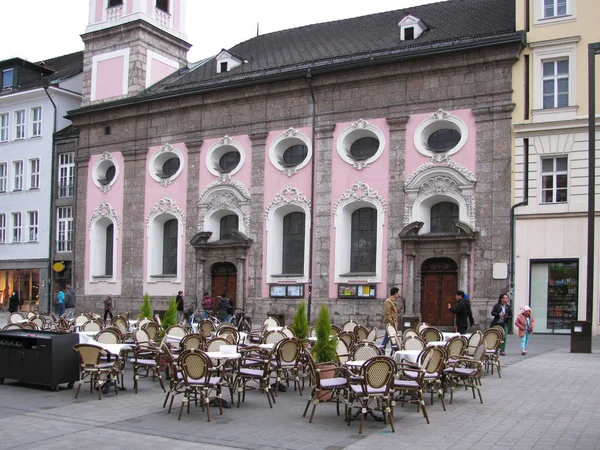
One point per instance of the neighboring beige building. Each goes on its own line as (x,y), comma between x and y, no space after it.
(550,122)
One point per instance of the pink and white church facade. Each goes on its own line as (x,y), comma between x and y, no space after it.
(276,175)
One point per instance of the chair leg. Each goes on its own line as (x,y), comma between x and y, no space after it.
(78,387)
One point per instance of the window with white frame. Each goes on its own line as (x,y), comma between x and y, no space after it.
(555,80)
(17,175)
(66,174)
(4,127)
(36,121)
(34,173)
(3,177)
(64,229)
(554,180)
(2,228)
(20,124)
(102,249)
(555,8)
(363,240)
(33,219)
(16,227)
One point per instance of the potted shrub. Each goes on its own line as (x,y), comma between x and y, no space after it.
(146,308)
(300,325)
(170,317)
(324,350)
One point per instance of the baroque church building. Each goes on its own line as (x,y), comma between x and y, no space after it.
(327,163)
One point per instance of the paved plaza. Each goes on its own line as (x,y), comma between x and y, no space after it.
(547,399)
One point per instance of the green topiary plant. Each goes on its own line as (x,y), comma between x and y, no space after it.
(146,308)
(170,317)
(324,349)
(300,326)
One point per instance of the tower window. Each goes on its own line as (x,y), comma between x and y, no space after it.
(228,225)
(163,5)
(112,3)
(443,216)
(224,67)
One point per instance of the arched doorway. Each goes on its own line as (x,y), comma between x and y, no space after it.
(224,280)
(439,278)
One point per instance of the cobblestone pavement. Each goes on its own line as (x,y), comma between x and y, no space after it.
(547,399)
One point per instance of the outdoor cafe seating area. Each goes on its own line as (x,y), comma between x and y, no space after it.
(216,366)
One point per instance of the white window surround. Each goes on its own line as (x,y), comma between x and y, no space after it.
(18,173)
(34,173)
(284,141)
(287,201)
(20,124)
(359,129)
(17,227)
(33,220)
(66,174)
(436,185)
(164,210)
(3,228)
(36,122)
(150,55)
(359,195)
(222,197)
(540,20)
(231,60)
(64,229)
(105,162)
(107,14)
(105,56)
(217,150)
(158,158)
(438,121)
(3,177)
(4,127)
(410,21)
(548,51)
(101,219)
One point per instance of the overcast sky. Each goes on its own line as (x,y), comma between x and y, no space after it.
(41,29)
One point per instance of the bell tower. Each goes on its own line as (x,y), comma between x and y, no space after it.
(130,45)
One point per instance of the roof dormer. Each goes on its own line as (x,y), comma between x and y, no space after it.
(411,27)
(227,61)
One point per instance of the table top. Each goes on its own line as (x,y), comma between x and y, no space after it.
(356,363)
(221,355)
(410,355)
(266,346)
(114,349)
(436,343)
(274,328)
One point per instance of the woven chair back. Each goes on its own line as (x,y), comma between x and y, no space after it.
(121,323)
(273,337)
(409,332)
(39,321)
(421,326)
(206,327)
(372,335)
(343,352)
(13,326)
(335,330)
(91,325)
(215,344)
(492,339)
(288,332)
(107,337)
(15,317)
(195,365)
(81,319)
(141,337)
(176,330)
(193,341)
(413,343)
(361,332)
(349,326)
(271,322)
(29,326)
(432,334)
(473,342)
(231,334)
(456,346)
(153,329)
(362,352)
(89,355)
(288,350)
(379,372)
(435,360)
(348,337)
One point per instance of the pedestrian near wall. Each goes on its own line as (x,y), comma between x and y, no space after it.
(108,305)
(60,301)
(179,302)
(502,316)
(390,314)
(464,316)
(525,323)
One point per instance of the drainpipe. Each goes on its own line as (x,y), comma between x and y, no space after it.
(49,288)
(512,218)
(312,195)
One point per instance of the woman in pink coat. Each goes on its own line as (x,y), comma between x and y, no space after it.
(525,325)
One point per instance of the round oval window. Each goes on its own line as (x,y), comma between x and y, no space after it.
(110,174)
(170,167)
(294,155)
(443,140)
(229,161)
(364,148)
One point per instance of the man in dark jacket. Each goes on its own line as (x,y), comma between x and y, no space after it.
(70,301)
(179,302)
(13,302)
(464,316)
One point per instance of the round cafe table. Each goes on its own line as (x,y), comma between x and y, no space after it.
(409,355)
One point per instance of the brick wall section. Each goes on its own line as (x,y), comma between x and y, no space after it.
(478,79)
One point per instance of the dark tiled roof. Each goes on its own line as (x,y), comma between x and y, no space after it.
(328,44)
(36,75)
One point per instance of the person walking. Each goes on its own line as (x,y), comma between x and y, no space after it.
(502,315)
(60,301)
(13,302)
(464,316)
(223,308)
(179,302)
(525,325)
(108,305)
(70,301)
(390,314)
(207,305)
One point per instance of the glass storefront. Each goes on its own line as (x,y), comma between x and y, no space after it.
(26,282)
(554,295)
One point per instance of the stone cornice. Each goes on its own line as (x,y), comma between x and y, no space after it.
(397,123)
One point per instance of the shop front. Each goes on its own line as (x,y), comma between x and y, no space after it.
(25,282)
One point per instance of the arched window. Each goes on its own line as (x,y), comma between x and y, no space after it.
(169,257)
(293,243)
(443,215)
(228,224)
(363,241)
(108,256)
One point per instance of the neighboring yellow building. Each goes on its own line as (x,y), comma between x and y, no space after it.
(550,123)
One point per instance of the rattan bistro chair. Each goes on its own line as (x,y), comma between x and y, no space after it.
(200,380)
(492,338)
(468,370)
(376,379)
(431,334)
(92,368)
(288,355)
(255,367)
(145,360)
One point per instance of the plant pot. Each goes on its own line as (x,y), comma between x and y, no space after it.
(325,395)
